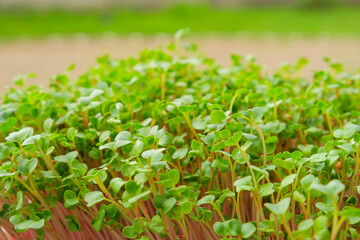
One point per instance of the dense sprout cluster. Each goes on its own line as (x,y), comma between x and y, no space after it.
(170,147)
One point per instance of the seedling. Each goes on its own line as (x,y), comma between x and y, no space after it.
(166,146)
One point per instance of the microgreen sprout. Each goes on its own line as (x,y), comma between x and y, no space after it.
(170,145)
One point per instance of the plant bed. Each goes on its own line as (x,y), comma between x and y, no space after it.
(174,146)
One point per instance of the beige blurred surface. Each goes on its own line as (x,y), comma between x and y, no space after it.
(53,55)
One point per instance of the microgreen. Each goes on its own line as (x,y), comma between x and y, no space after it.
(174,146)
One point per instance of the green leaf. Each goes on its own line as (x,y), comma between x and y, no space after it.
(208,199)
(48,124)
(354,233)
(231,142)
(247,230)
(199,124)
(288,180)
(338,133)
(266,189)
(307,181)
(299,197)
(320,223)
(235,227)
(123,136)
(104,136)
(156,225)
(183,208)
(93,198)
(196,145)
(47,214)
(98,221)
(70,199)
(220,229)
(210,139)
(20,199)
(333,188)
(257,113)
(280,208)
(169,204)
(15,220)
(71,133)
(134,230)
(6,174)
(4,152)
(223,134)
(159,201)
(31,140)
(8,125)
(20,135)
(346,133)
(305,225)
(132,188)
(116,184)
(26,167)
(272,139)
(129,232)
(138,197)
(87,100)
(166,140)
(217,116)
(137,226)
(170,179)
(73,223)
(48,174)
(350,212)
(180,153)
(138,147)
(67,158)
(218,146)
(30,224)
(96,176)
(246,145)
(261,171)
(244,183)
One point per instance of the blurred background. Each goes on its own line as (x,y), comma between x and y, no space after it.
(46,36)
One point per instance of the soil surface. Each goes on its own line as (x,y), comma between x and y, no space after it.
(46,57)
